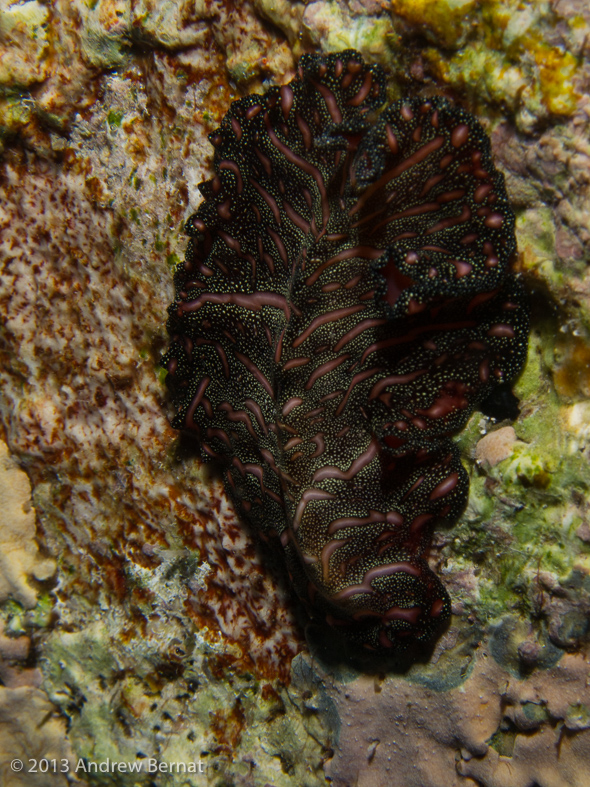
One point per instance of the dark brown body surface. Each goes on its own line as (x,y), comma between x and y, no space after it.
(345,303)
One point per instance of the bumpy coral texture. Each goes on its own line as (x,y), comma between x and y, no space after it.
(345,303)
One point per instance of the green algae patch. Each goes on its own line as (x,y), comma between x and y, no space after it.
(503,741)
(172,261)
(161,374)
(516,543)
(332,28)
(535,232)
(42,616)
(539,421)
(114,118)
(243,71)
(14,616)
(528,468)
(484,76)
(501,55)
(535,712)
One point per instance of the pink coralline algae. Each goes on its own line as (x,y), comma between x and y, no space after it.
(345,303)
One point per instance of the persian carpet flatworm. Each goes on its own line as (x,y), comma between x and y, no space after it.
(345,303)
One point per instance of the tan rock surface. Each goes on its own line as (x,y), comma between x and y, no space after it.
(19,554)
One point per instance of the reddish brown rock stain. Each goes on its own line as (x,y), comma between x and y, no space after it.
(81,408)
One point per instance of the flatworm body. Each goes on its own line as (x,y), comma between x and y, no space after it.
(345,303)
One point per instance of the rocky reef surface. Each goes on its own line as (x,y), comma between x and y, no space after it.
(138,619)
